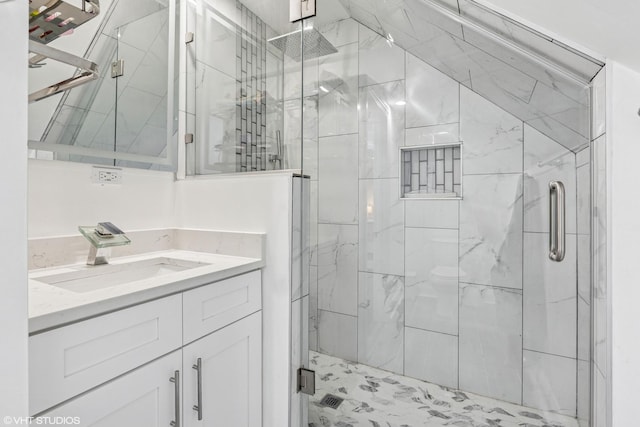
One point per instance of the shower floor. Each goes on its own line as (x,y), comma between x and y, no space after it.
(376,398)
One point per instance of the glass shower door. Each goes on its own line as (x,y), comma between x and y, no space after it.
(430,306)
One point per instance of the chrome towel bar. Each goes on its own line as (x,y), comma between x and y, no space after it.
(557,200)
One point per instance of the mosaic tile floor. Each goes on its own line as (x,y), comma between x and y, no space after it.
(376,398)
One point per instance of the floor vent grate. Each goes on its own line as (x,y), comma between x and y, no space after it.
(331,401)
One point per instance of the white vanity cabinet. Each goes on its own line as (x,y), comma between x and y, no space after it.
(117,369)
(144,397)
(223,377)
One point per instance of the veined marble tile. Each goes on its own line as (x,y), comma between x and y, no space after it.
(423,17)
(431,357)
(554,129)
(599,103)
(381,227)
(584,267)
(310,132)
(491,341)
(432,213)
(338,90)
(379,60)
(342,32)
(432,97)
(549,382)
(381,129)
(381,321)
(433,135)
(338,268)
(292,111)
(550,297)
(584,330)
(491,230)
(492,137)
(573,114)
(601,414)
(337,335)
(431,279)
(338,179)
(545,161)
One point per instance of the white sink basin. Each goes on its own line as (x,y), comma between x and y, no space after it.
(91,279)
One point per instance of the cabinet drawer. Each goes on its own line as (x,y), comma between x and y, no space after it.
(214,306)
(67,361)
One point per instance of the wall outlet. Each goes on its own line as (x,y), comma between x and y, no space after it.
(101,175)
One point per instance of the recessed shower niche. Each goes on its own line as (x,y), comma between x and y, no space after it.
(431,172)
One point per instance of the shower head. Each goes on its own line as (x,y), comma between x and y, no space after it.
(313,43)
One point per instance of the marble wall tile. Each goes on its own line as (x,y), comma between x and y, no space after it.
(379,60)
(549,382)
(431,135)
(492,137)
(431,279)
(338,179)
(432,97)
(424,17)
(599,104)
(491,341)
(381,129)
(297,220)
(338,268)
(381,321)
(583,189)
(342,32)
(381,227)
(432,357)
(432,213)
(584,267)
(545,161)
(491,230)
(337,335)
(600,417)
(338,90)
(550,297)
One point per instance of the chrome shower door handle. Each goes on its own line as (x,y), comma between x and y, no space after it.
(176,380)
(557,200)
(198,407)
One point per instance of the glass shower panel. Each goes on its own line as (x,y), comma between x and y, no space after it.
(238,103)
(431,309)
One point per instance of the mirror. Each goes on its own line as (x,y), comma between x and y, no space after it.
(128,117)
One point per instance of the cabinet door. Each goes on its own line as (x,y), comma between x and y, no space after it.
(230,376)
(142,398)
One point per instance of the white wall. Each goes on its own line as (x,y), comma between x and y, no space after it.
(258,203)
(623,129)
(62,197)
(13,203)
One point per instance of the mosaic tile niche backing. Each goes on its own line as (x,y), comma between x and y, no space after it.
(251,80)
(433,171)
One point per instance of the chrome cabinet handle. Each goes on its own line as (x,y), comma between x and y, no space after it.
(176,380)
(198,407)
(557,200)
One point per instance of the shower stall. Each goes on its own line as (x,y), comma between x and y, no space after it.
(452,205)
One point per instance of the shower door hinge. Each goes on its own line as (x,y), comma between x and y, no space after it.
(188,37)
(188,138)
(117,68)
(306,381)
(301,9)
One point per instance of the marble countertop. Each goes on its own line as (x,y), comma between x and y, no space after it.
(52,306)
